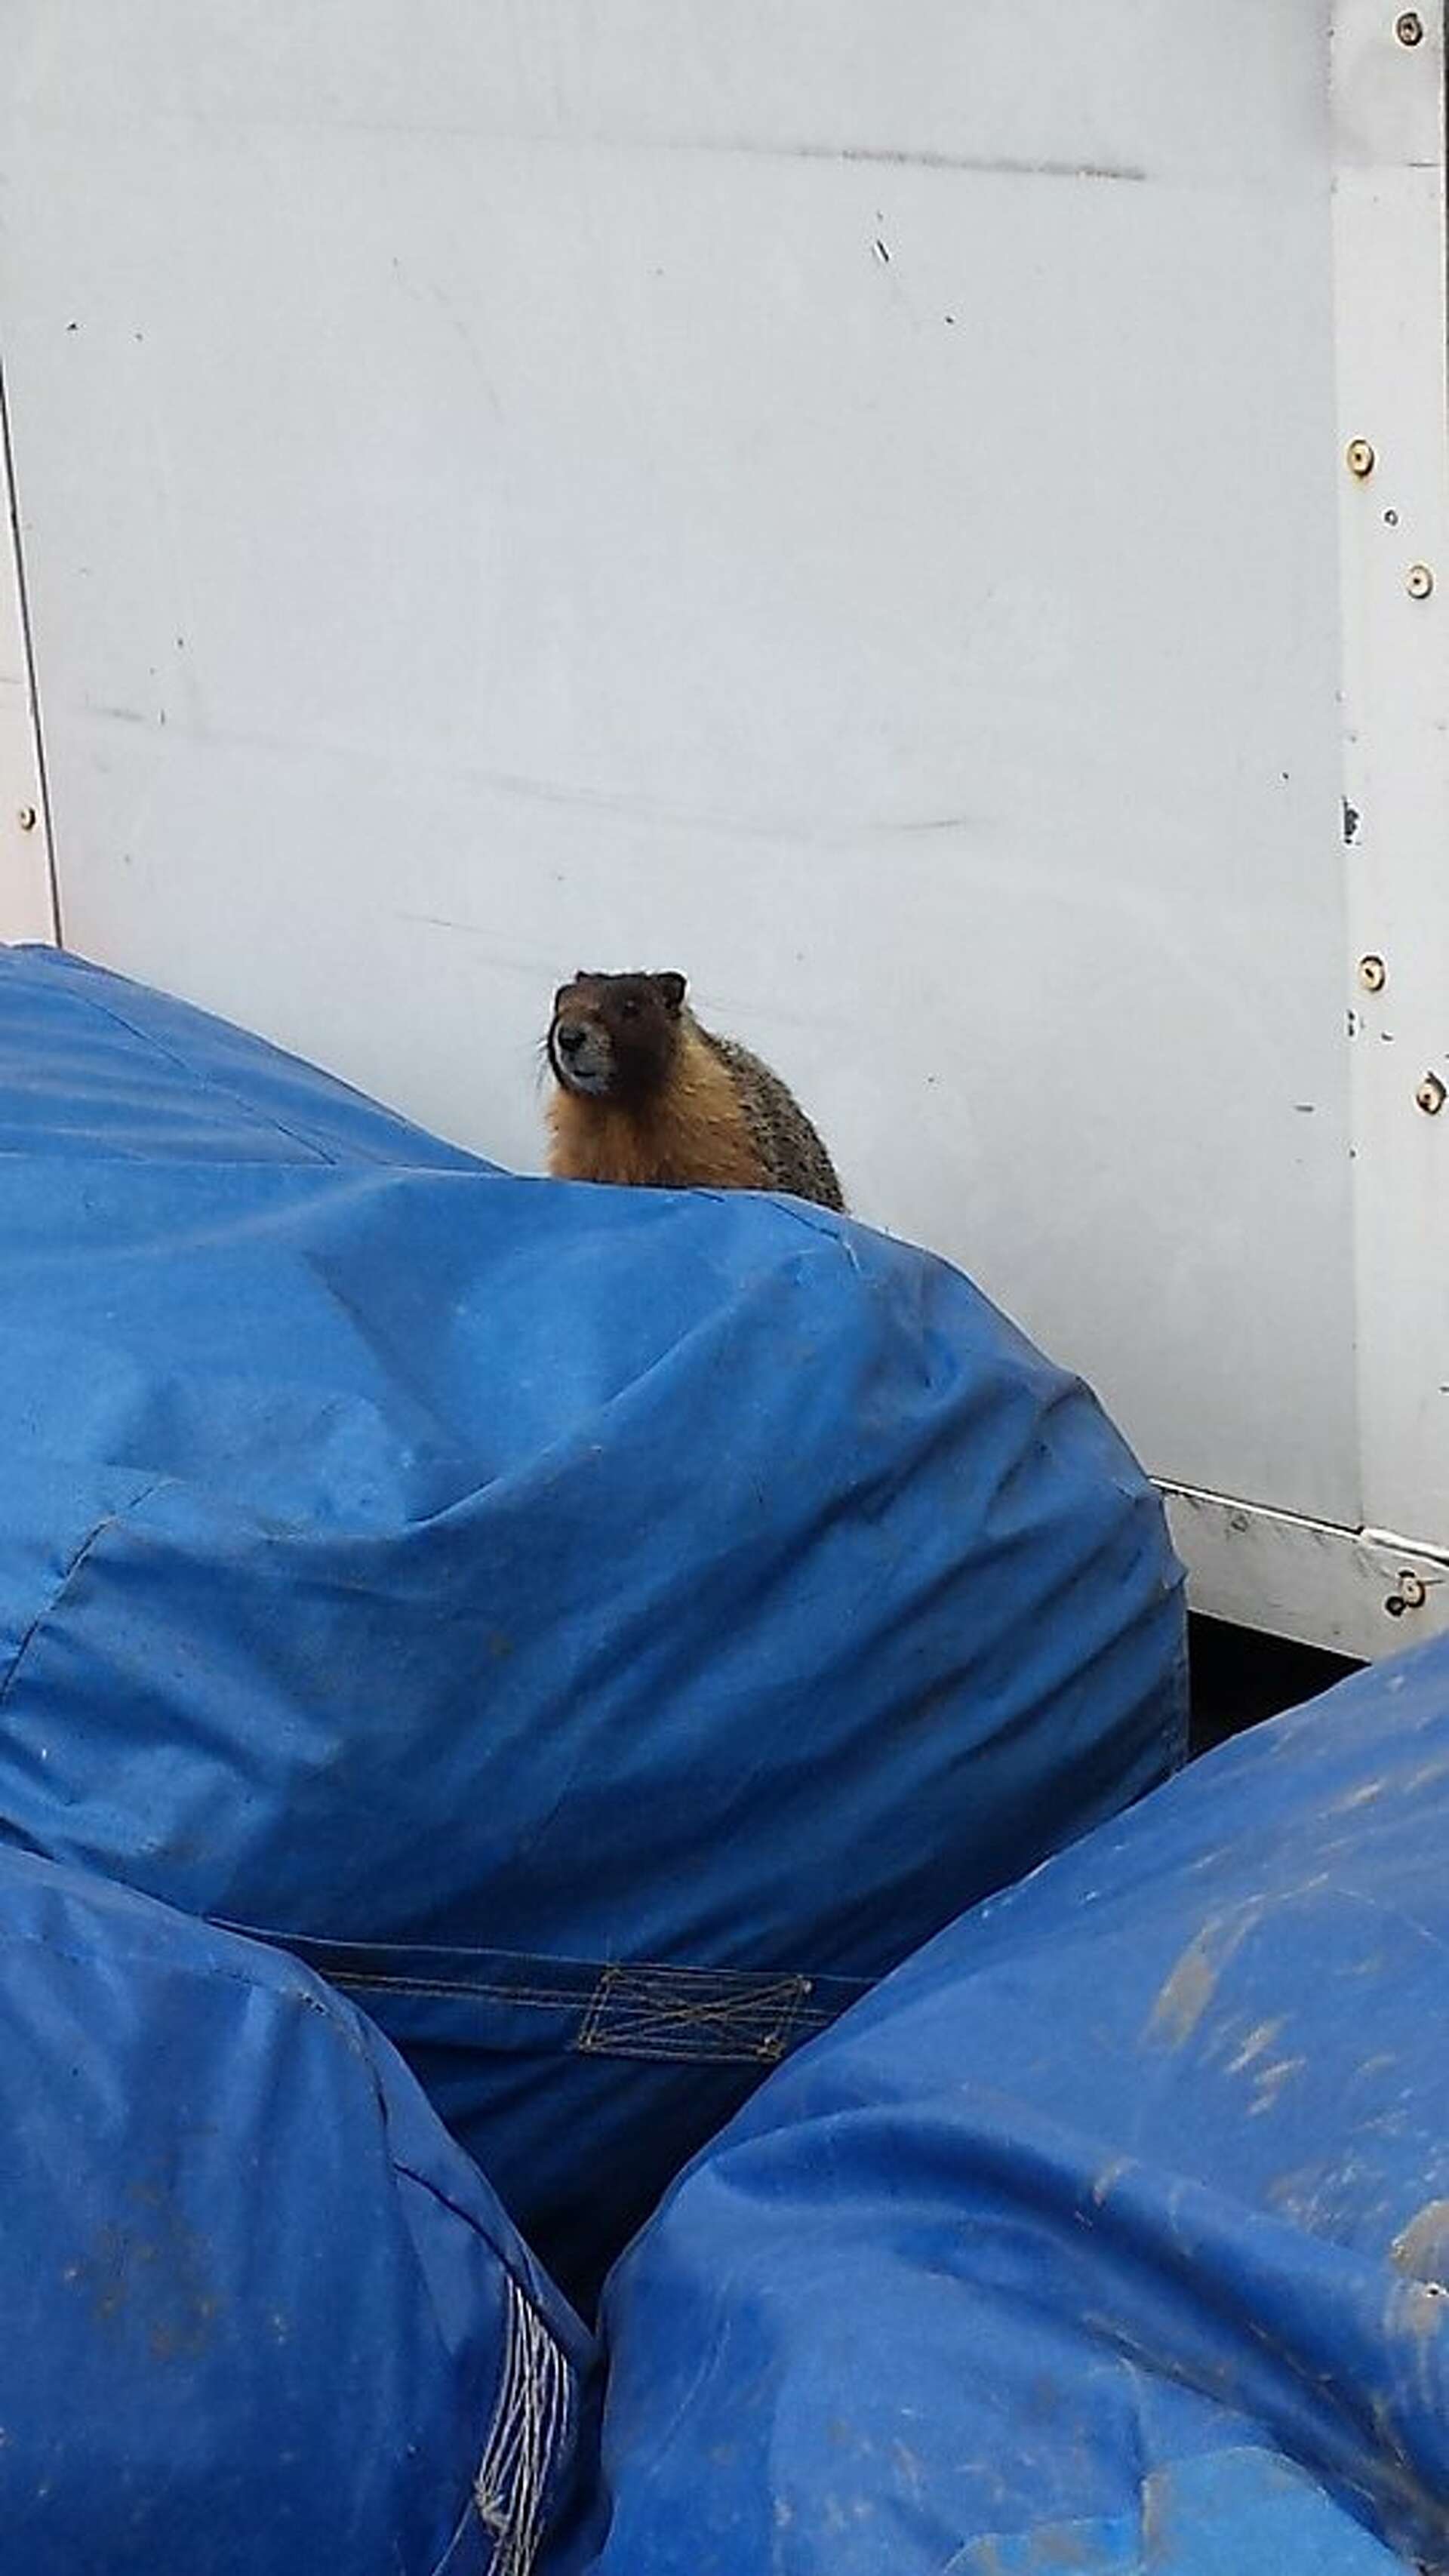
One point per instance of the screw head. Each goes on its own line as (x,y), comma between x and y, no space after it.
(1413,1591)
(26,818)
(1409,27)
(1418,581)
(1360,457)
(1431,1095)
(1373,974)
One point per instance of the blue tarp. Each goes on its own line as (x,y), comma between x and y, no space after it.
(603,1629)
(1112,2233)
(259,2312)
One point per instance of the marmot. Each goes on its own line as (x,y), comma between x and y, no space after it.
(646,1096)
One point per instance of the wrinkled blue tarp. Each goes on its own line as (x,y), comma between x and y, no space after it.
(259,2312)
(605,1630)
(1112,2233)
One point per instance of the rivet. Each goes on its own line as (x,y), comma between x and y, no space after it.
(1360,457)
(1418,581)
(26,818)
(1431,1095)
(1373,974)
(1409,27)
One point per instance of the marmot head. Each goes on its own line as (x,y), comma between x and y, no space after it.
(613,1037)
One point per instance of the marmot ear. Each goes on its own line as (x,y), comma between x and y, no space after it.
(671,990)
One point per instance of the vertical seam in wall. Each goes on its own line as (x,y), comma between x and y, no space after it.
(1444,129)
(27,646)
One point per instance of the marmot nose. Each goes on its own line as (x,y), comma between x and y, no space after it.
(571,1036)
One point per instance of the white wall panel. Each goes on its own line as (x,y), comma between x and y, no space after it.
(841,501)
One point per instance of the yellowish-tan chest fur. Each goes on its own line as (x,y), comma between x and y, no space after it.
(693,1135)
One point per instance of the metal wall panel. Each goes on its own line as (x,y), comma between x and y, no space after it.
(844,502)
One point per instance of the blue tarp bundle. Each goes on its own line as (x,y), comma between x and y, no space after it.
(259,2312)
(604,1630)
(1112,2233)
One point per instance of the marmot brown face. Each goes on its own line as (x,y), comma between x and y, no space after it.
(614,1037)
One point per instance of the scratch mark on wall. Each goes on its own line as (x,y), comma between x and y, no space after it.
(478,130)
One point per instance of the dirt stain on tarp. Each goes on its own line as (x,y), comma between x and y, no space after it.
(1422,2248)
(1190,1986)
(146,2277)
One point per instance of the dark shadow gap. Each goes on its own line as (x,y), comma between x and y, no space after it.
(1239,1677)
